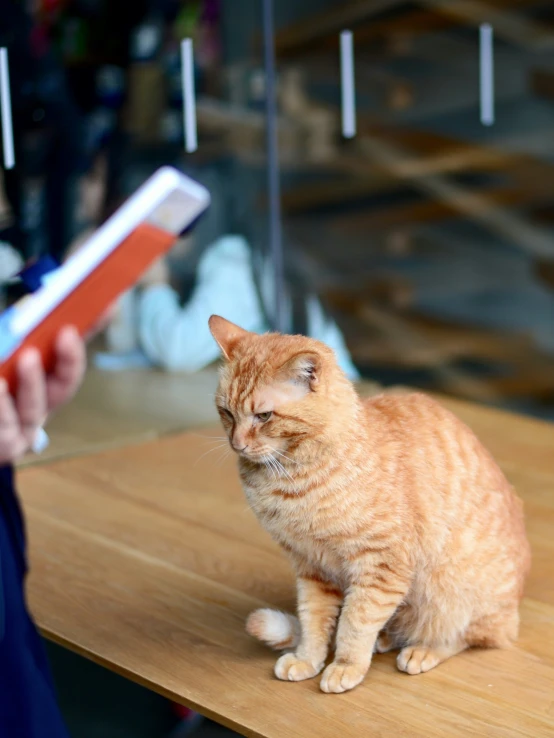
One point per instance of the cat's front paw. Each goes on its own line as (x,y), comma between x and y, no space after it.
(292,669)
(339,678)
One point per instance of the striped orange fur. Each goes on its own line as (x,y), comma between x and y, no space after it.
(402,530)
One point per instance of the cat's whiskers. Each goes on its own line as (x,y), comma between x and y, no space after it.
(265,462)
(210,450)
(223,457)
(270,460)
(276,467)
(207,439)
(280,467)
(288,458)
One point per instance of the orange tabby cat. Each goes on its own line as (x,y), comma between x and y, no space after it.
(402,530)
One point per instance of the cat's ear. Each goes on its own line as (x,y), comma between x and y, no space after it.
(304,369)
(226,334)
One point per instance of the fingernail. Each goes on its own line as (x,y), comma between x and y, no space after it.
(41,441)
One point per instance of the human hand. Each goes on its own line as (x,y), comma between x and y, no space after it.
(38,393)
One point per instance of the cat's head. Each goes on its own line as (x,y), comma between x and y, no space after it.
(274,391)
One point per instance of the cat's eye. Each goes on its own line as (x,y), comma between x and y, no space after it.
(226,413)
(264,417)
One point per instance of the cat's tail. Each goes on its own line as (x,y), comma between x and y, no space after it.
(278,630)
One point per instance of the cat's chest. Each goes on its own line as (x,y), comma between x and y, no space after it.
(308,540)
(317,557)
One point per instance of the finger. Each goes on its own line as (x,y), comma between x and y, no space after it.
(69,367)
(31,393)
(12,442)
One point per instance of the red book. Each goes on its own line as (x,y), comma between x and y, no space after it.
(108,264)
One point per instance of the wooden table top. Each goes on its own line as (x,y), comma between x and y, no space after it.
(147,560)
(115,409)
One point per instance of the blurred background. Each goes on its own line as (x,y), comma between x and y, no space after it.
(428,237)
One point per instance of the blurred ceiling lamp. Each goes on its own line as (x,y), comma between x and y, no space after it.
(486,74)
(6,111)
(348,89)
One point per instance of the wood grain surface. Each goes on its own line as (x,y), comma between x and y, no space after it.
(147,560)
(119,408)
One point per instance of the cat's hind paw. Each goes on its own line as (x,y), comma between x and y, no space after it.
(419,659)
(339,678)
(292,669)
(384,643)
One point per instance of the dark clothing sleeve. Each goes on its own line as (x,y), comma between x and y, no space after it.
(28,707)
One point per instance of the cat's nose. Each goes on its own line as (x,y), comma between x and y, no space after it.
(239,450)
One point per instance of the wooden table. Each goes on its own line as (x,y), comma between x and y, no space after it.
(147,560)
(115,409)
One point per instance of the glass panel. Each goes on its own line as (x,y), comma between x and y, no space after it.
(427,236)
(103,108)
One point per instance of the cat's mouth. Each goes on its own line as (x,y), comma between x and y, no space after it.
(263,458)
(254,456)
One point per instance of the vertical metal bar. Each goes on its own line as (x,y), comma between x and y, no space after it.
(348,89)
(6,106)
(273,183)
(486,74)
(189,96)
